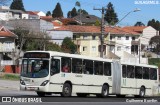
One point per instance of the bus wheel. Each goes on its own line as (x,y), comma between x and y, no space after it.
(82,94)
(104,92)
(142,92)
(67,91)
(41,94)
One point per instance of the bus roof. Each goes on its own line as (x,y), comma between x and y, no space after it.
(61,54)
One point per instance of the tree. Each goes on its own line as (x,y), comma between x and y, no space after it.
(27,38)
(69,14)
(155,42)
(139,24)
(83,11)
(155,24)
(4,2)
(52,47)
(97,23)
(17,4)
(72,13)
(57,12)
(68,46)
(110,15)
(48,13)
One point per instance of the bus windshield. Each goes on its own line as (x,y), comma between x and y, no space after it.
(35,68)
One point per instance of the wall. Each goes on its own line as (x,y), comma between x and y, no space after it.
(7,45)
(147,34)
(58,36)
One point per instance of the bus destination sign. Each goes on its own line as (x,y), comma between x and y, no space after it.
(36,55)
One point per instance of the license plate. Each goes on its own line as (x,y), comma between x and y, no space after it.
(32,88)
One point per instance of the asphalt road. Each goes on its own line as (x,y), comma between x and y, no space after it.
(10,89)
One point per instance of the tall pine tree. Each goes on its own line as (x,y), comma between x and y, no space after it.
(111,16)
(139,24)
(17,4)
(72,13)
(48,13)
(57,12)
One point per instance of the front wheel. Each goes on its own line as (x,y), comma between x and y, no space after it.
(67,91)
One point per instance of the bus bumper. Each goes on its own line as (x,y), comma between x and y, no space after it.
(32,88)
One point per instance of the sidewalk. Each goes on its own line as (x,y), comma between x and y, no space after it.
(9,85)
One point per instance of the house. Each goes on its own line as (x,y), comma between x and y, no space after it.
(118,42)
(7,14)
(35,14)
(7,45)
(87,19)
(147,32)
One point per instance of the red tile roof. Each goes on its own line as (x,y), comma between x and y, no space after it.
(56,23)
(66,21)
(138,29)
(6,33)
(32,12)
(47,18)
(95,29)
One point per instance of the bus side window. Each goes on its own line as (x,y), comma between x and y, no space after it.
(55,66)
(98,68)
(124,71)
(66,64)
(107,69)
(88,64)
(138,72)
(153,74)
(145,73)
(77,65)
(130,71)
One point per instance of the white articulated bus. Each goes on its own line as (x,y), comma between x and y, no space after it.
(48,72)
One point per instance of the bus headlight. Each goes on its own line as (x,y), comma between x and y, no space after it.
(22,82)
(45,83)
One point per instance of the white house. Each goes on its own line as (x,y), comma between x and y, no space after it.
(35,14)
(9,14)
(147,32)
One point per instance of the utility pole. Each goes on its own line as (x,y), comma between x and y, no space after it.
(102,30)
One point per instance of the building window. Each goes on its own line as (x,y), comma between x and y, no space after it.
(119,48)
(84,48)
(111,37)
(94,48)
(119,38)
(93,37)
(133,38)
(84,36)
(127,37)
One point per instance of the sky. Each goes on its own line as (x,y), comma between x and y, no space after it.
(149,9)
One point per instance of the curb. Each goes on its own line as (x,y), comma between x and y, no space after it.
(7,88)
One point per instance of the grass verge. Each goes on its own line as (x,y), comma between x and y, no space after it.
(10,76)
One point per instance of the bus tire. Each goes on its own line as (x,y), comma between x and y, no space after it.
(67,90)
(82,94)
(104,92)
(41,94)
(142,92)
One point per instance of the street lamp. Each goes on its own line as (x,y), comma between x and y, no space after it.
(135,10)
